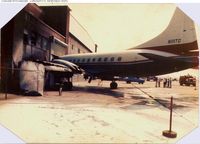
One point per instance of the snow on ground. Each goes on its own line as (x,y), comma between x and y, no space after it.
(96,114)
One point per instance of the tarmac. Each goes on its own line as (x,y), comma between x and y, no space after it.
(93,113)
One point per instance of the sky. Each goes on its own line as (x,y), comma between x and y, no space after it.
(115,27)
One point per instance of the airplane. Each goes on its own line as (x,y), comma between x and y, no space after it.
(173,50)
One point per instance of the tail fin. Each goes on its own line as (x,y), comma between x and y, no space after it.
(179,37)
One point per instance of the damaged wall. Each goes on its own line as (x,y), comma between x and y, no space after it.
(6,53)
(32,78)
(18,46)
(0,57)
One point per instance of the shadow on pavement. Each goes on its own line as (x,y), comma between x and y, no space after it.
(99,90)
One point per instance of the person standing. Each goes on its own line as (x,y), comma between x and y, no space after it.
(164,82)
(156,79)
(159,80)
(170,82)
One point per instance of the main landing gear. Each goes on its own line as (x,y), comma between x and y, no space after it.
(113,85)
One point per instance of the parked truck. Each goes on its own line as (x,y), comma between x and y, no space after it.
(187,80)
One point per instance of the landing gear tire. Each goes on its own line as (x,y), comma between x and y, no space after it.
(113,85)
(68,86)
(128,82)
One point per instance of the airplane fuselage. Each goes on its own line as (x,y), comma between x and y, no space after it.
(130,63)
(174,49)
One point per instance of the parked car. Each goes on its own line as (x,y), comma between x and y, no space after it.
(134,79)
(152,78)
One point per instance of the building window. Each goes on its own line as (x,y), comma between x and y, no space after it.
(72,47)
(33,38)
(25,38)
(112,59)
(79,51)
(27,17)
(119,59)
(38,42)
(44,43)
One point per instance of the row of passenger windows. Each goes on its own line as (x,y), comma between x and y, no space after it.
(112,59)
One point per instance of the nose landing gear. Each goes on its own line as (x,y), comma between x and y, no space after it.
(113,85)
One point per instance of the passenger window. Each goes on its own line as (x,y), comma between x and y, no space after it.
(112,59)
(119,58)
(83,60)
(105,59)
(99,59)
(93,59)
(78,60)
(88,60)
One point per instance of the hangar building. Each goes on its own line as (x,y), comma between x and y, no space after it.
(39,33)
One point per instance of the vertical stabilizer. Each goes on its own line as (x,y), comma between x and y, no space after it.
(179,37)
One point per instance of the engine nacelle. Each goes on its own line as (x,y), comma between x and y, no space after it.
(72,66)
